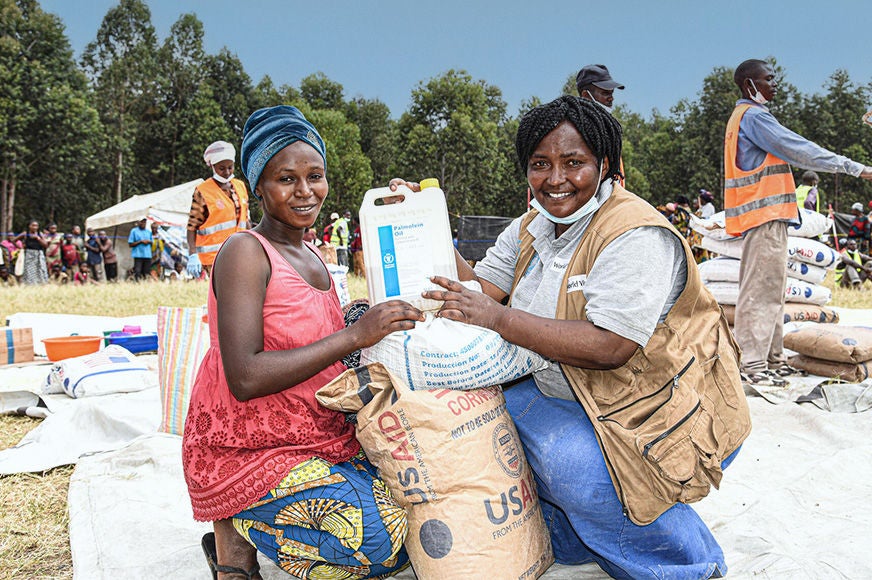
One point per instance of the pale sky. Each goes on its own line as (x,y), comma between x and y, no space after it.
(661,50)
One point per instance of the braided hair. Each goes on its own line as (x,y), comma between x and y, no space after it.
(599,129)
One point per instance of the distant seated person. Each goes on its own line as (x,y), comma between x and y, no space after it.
(83,276)
(6,279)
(57,275)
(860,227)
(855,267)
(178,273)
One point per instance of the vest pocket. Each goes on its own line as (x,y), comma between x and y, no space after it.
(635,414)
(671,438)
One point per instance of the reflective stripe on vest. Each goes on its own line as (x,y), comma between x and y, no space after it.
(208,249)
(221,221)
(217,228)
(802,192)
(763,194)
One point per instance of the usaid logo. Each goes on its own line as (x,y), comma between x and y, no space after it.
(507,450)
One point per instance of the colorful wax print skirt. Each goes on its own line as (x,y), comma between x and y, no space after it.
(326,521)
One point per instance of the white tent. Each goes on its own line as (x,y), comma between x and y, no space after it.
(167,207)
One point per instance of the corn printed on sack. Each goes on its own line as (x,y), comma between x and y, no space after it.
(454,461)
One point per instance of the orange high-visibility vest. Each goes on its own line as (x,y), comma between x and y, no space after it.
(763,194)
(221,222)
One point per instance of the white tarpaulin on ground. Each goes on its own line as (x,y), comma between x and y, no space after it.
(167,207)
(794,503)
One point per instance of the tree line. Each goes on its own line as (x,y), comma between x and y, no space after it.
(134,114)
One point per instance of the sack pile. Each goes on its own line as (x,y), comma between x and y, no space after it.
(807,264)
(832,350)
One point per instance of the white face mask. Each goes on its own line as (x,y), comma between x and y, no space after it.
(220,179)
(605,108)
(590,207)
(757,96)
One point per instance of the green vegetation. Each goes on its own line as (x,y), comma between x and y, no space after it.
(135,113)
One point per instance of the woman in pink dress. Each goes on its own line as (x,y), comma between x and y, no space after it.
(270,467)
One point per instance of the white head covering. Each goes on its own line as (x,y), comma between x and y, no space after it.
(219,151)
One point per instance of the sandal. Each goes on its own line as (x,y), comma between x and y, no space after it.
(764,379)
(208,543)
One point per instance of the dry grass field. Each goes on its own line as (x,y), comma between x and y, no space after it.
(34,540)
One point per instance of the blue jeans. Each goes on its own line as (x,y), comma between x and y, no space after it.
(581,506)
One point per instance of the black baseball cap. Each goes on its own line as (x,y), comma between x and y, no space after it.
(598,76)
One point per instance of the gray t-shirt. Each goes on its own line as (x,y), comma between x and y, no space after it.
(630,288)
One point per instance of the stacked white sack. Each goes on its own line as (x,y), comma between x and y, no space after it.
(794,291)
(813,225)
(807,264)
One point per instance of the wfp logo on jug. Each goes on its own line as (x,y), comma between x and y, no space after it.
(388,261)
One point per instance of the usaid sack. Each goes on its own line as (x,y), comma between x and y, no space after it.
(731,248)
(454,462)
(445,354)
(111,370)
(805,293)
(813,224)
(806,272)
(832,342)
(721,269)
(812,252)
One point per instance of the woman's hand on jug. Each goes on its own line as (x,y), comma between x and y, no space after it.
(398,181)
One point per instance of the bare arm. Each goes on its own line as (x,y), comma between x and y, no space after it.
(573,342)
(251,371)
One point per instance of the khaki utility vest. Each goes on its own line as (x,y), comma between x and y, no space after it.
(667,418)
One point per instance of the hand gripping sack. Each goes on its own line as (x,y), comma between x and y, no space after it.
(445,354)
(454,461)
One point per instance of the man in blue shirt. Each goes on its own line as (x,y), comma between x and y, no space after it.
(139,241)
(759,309)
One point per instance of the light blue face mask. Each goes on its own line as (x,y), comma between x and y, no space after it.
(591,206)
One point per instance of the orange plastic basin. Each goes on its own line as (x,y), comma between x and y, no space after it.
(64,347)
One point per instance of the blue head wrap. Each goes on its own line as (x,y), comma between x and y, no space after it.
(270,130)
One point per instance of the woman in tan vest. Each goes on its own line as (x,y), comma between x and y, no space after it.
(641,406)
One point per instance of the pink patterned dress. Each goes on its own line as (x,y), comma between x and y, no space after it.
(233,452)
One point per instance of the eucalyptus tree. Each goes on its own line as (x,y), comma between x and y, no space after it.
(378,135)
(121,65)
(452,132)
(47,126)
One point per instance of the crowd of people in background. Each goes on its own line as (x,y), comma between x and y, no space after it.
(47,256)
(678,213)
